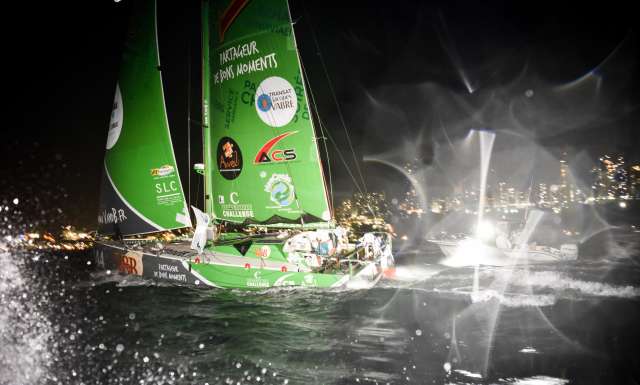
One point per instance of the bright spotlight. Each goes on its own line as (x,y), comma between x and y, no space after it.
(485,231)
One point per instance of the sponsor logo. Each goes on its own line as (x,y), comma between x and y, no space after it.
(264,103)
(167,189)
(113,215)
(115,123)
(280,189)
(169,272)
(276,101)
(266,155)
(165,170)
(263,252)
(235,209)
(257,281)
(229,158)
(130,263)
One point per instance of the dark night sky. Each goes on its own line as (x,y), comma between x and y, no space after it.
(395,67)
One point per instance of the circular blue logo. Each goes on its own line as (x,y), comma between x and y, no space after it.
(264,102)
(282,193)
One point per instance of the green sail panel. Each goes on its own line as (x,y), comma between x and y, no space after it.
(264,163)
(141,190)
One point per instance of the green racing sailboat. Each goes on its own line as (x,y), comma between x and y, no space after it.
(267,221)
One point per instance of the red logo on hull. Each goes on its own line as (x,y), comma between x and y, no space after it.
(127,265)
(130,263)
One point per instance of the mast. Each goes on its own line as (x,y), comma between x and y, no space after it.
(206,119)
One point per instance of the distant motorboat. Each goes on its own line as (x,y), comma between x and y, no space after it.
(496,244)
(471,251)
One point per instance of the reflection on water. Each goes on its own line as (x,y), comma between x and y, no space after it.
(552,324)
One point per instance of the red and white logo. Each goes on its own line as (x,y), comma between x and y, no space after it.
(267,155)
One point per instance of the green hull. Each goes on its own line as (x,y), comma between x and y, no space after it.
(260,278)
(174,264)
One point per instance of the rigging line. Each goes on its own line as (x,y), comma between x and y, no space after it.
(326,131)
(344,161)
(326,152)
(322,133)
(335,100)
(304,90)
(353,178)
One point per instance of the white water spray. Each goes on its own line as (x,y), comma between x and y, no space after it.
(24,332)
(486,147)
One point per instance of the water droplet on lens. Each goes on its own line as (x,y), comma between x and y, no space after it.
(132,316)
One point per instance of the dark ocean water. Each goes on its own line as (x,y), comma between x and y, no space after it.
(578,323)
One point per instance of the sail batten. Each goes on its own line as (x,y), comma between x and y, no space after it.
(264,162)
(141,189)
